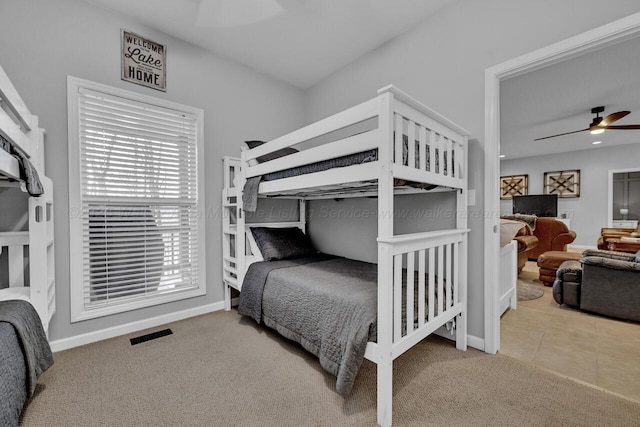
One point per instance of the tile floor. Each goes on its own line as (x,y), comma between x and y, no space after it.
(593,349)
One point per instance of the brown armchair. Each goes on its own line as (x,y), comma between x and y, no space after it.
(526,243)
(553,235)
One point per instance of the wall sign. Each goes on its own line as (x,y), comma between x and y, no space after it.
(143,61)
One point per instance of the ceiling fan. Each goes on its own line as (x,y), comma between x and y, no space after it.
(600,124)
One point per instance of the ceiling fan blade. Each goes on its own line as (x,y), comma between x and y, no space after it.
(623,127)
(561,134)
(612,118)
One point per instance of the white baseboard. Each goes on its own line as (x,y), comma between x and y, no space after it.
(475,342)
(472,340)
(115,331)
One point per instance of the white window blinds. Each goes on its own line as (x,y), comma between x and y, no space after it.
(138,197)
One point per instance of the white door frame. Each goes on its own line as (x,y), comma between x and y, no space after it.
(615,32)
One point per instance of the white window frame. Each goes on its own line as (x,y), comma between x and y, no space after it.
(78,311)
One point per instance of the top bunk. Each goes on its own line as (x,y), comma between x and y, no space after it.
(21,140)
(352,152)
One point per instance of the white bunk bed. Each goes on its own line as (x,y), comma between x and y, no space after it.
(436,260)
(20,129)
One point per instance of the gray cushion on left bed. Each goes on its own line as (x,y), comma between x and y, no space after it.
(282,243)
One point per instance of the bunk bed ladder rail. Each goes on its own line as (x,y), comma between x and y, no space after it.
(230,235)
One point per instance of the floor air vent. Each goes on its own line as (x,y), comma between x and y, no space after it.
(151,336)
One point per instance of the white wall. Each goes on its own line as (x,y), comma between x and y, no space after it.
(43,41)
(588,213)
(442,64)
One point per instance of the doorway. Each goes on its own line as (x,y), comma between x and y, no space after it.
(598,38)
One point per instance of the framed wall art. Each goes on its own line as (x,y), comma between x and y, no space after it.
(562,183)
(513,185)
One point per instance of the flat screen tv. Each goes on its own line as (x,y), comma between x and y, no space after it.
(536,204)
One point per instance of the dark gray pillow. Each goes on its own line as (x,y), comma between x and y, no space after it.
(276,154)
(282,243)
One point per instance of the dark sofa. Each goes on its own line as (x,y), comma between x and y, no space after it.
(602,282)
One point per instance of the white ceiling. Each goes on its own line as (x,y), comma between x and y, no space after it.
(559,99)
(307,42)
(313,38)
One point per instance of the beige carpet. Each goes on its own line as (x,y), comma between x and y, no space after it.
(222,370)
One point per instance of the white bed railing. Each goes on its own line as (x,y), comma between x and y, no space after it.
(424,147)
(428,276)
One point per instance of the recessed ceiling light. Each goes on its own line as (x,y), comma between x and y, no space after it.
(596,142)
(502,156)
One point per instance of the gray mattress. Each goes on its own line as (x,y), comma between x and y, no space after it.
(250,191)
(339,162)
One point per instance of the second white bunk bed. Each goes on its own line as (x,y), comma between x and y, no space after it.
(32,250)
(421,277)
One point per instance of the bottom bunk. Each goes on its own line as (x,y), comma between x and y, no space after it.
(333,307)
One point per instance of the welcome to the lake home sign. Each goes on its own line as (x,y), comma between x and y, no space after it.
(143,61)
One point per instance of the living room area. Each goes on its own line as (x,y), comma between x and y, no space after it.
(577,310)
(586,326)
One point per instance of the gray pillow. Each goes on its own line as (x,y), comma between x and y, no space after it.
(282,243)
(276,154)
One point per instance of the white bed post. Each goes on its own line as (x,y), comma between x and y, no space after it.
(302,215)
(240,235)
(38,257)
(461,224)
(385,262)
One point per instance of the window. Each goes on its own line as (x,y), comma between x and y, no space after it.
(137,237)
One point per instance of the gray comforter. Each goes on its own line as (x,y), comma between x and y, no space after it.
(22,330)
(327,304)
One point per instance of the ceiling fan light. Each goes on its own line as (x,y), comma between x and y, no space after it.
(596,131)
